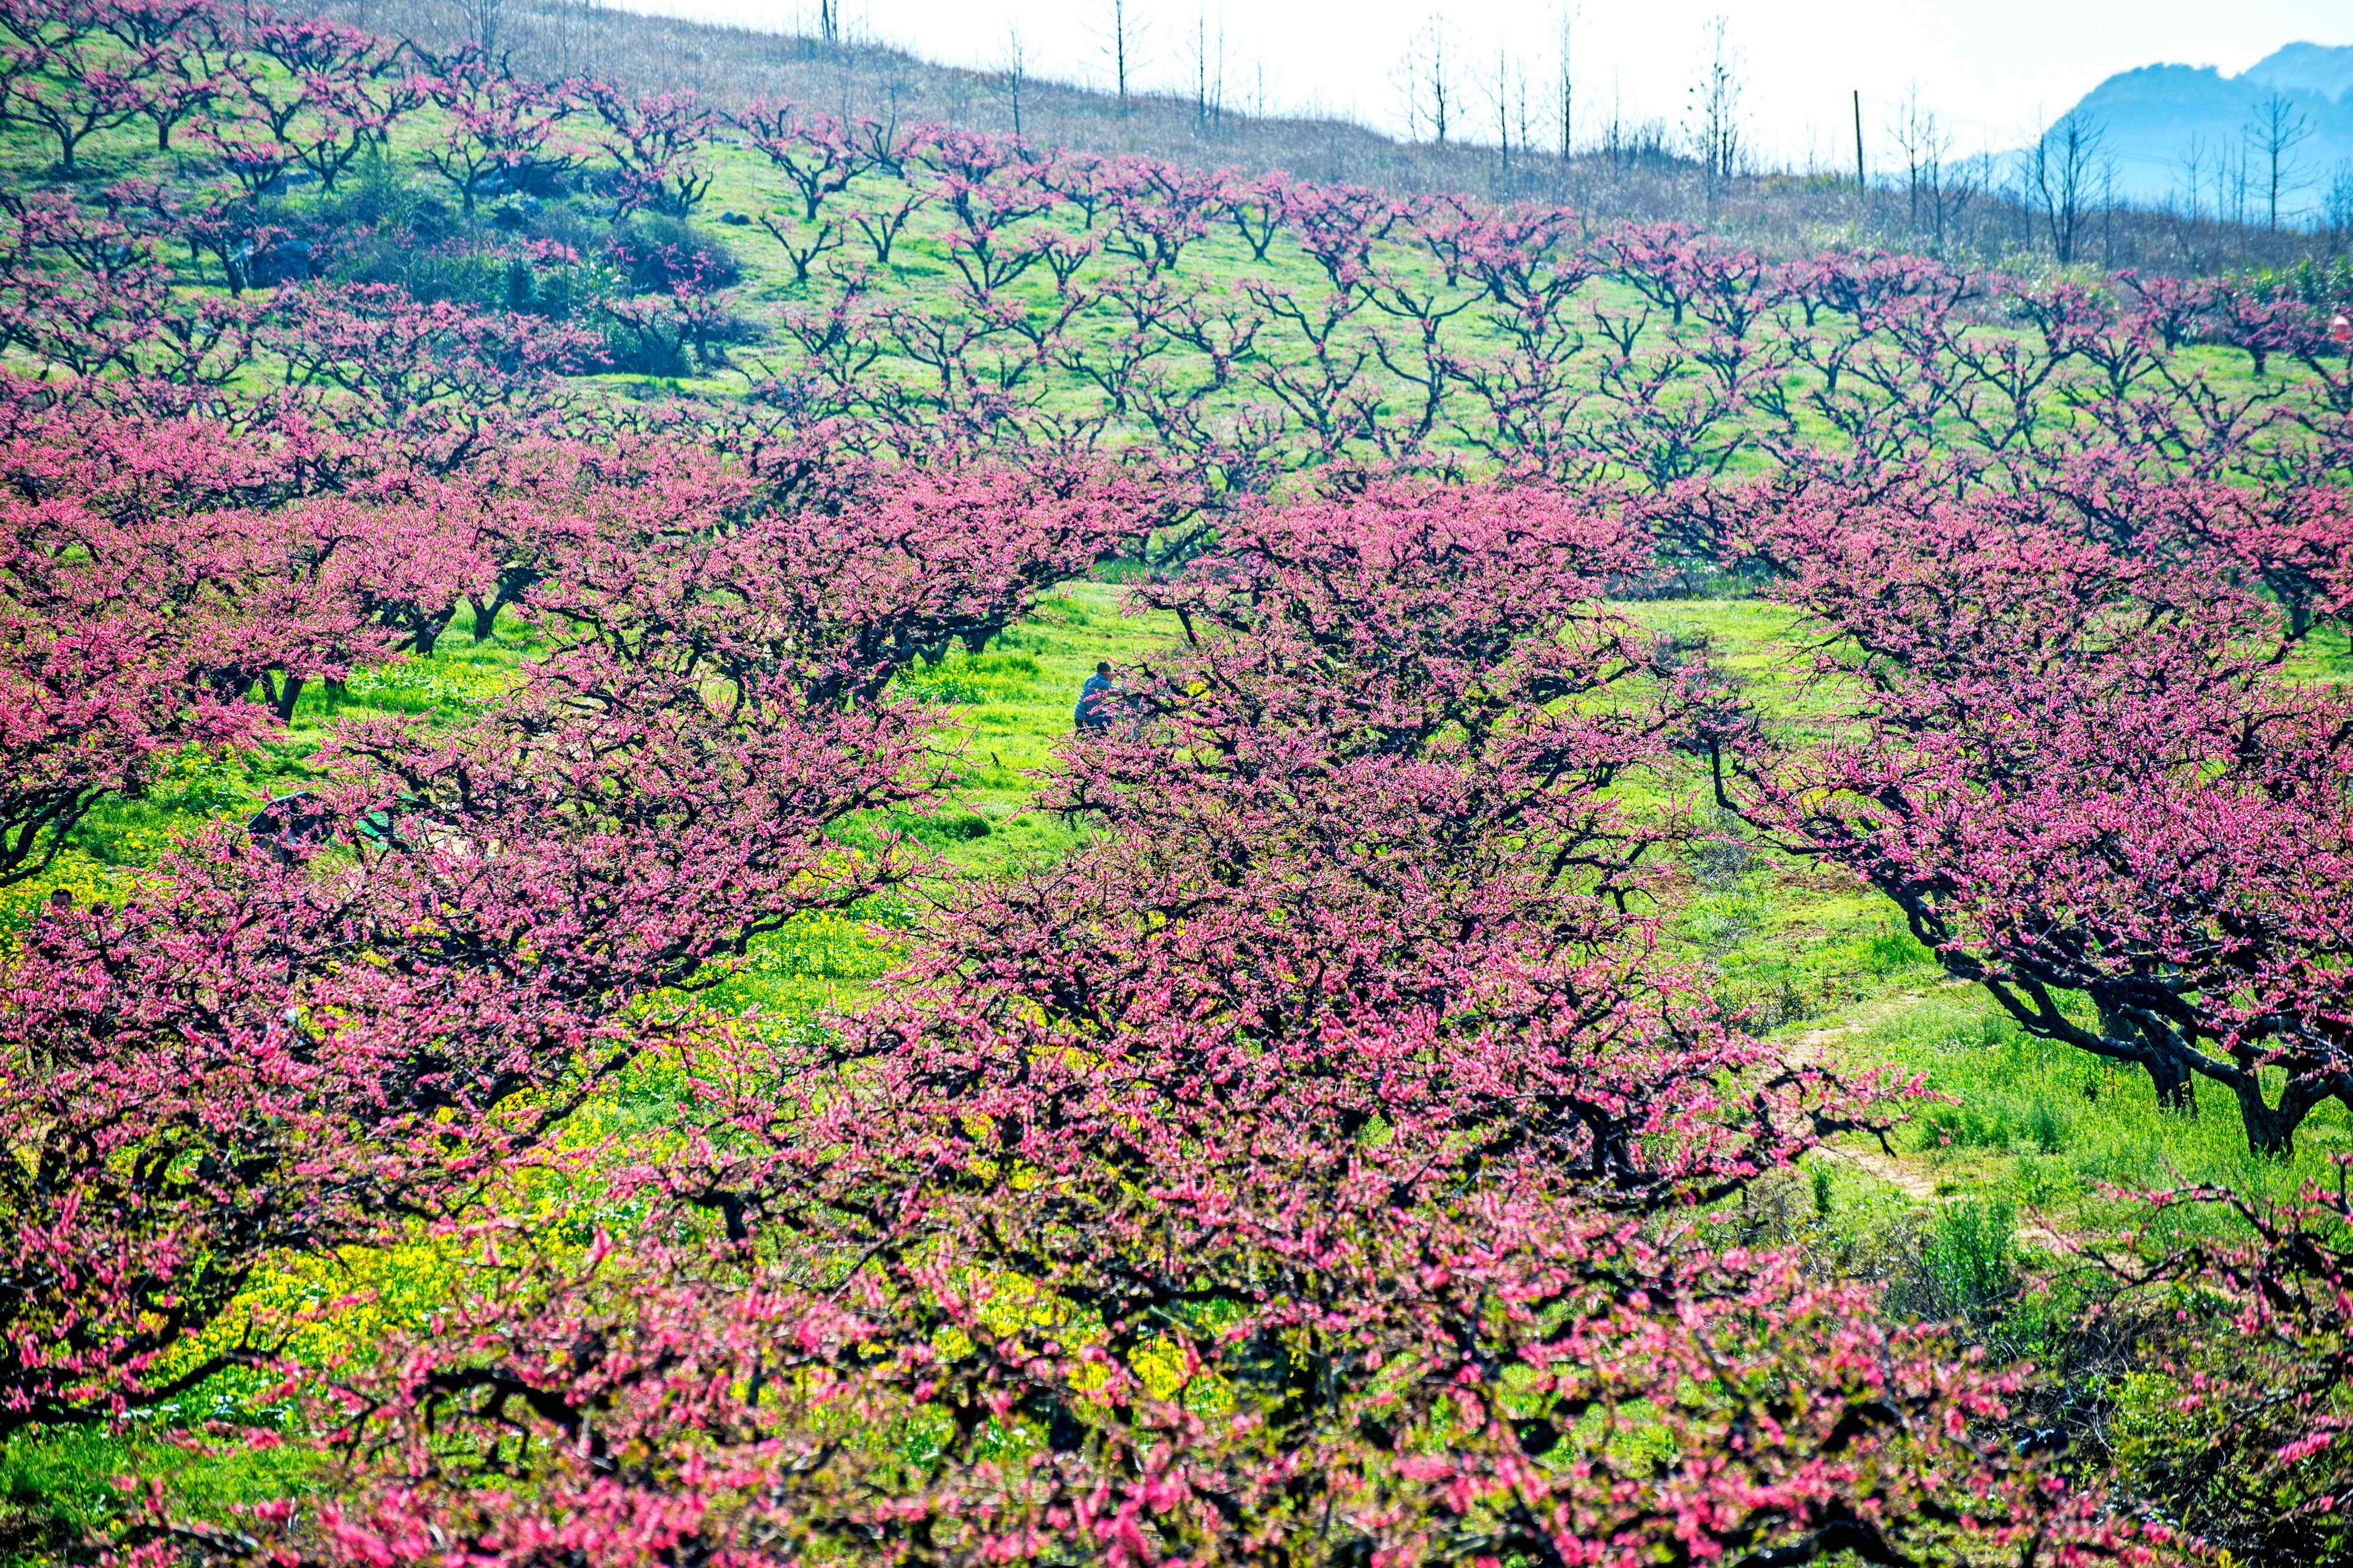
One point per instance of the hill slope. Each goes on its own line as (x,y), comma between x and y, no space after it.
(1643,178)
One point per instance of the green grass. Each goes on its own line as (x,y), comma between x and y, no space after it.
(1006,712)
(2053,1129)
(61,1491)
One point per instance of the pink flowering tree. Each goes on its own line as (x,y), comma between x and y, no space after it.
(176,53)
(501,131)
(91,707)
(61,74)
(400,360)
(655,143)
(108,630)
(819,155)
(388,993)
(2079,774)
(2249,1342)
(1142,1221)
(829,577)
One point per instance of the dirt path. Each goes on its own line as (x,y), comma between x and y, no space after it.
(1910,1175)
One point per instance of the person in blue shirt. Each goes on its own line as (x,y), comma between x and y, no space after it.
(1095,699)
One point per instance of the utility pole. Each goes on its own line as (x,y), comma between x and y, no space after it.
(1859,185)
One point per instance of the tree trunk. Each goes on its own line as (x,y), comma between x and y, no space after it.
(424,634)
(486,615)
(2271,1129)
(2177,1091)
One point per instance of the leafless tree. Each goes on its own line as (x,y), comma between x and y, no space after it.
(1013,73)
(1713,121)
(1499,95)
(1565,104)
(2195,158)
(1520,108)
(1960,183)
(1912,128)
(2108,212)
(482,22)
(2278,128)
(1436,71)
(1208,63)
(563,30)
(1937,189)
(2018,196)
(2065,167)
(2336,207)
(1122,46)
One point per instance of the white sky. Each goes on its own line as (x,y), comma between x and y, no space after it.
(1990,68)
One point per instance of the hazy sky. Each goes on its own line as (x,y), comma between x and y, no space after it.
(1990,66)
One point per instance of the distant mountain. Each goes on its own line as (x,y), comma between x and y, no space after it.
(2152,118)
(2304,67)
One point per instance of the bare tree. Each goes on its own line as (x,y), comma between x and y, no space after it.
(1013,73)
(1936,189)
(1441,85)
(2278,128)
(2063,163)
(1208,63)
(829,23)
(1217,77)
(1565,106)
(2108,212)
(893,86)
(2020,199)
(1122,46)
(1520,108)
(1954,186)
(564,26)
(2336,207)
(1500,96)
(1909,129)
(2195,158)
(1713,123)
(482,22)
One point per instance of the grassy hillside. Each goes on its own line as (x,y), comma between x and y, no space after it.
(1648,173)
